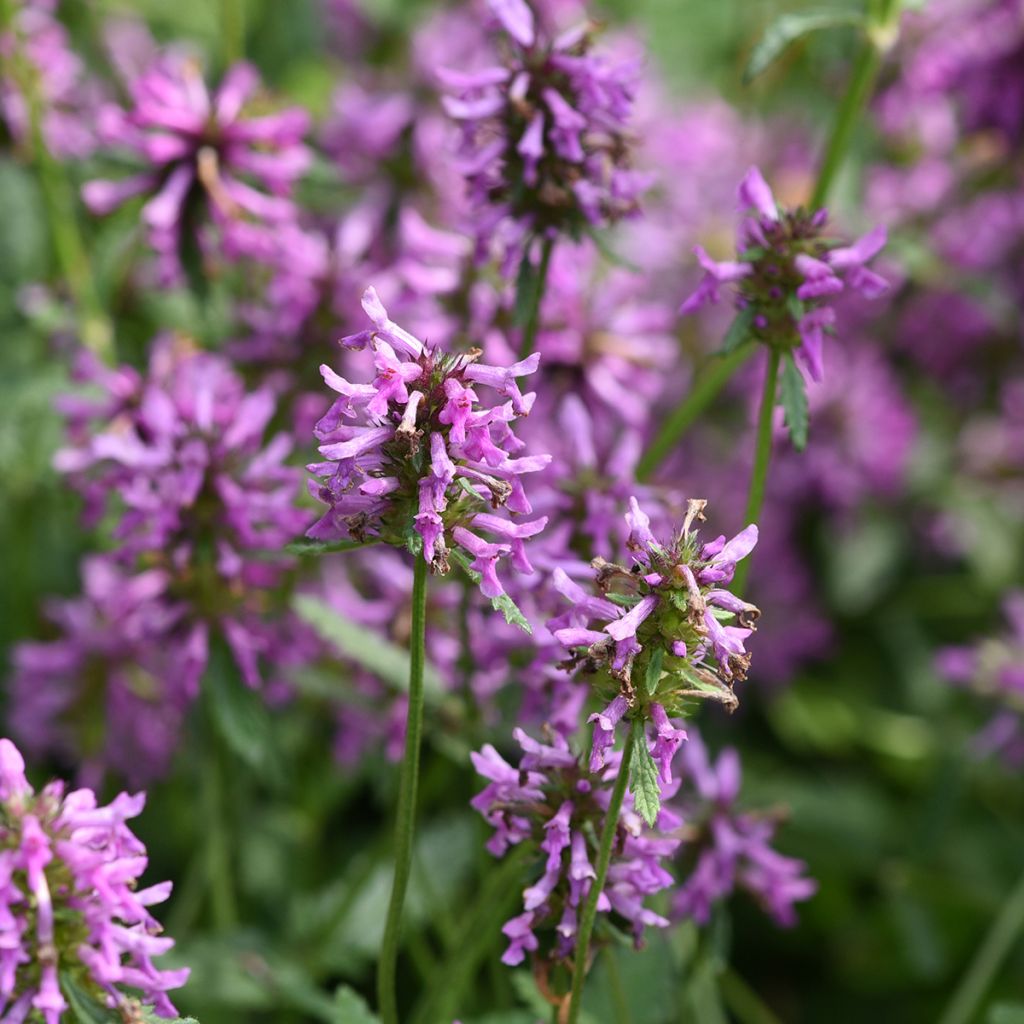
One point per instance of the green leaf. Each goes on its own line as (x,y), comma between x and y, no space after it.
(84,1007)
(375,653)
(654,670)
(739,331)
(240,716)
(351,1008)
(643,783)
(307,546)
(705,685)
(1006,1013)
(789,28)
(503,604)
(528,284)
(793,396)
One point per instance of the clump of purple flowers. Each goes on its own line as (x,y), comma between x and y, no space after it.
(544,133)
(552,800)
(207,161)
(70,910)
(994,668)
(414,460)
(786,274)
(667,636)
(726,848)
(179,457)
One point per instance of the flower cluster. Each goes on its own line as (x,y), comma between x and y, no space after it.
(551,800)
(422,458)
(204,153)
(725,848)
(72,915)
(787,273)
(180,455)
(544,132)
(668,637)
(994,668)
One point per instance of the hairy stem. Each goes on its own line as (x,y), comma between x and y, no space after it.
(994,949)
(704,391)
(762,456)
(604,856)
(532,324)
(405,815)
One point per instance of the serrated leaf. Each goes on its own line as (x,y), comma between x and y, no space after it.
(85,1008)
(793,397)
(150,1016)
(654,670)
(375,653)
(240,716)
(788,29)
(504,604)
(308,546)
(352,1008)
(643,783)
(739,331)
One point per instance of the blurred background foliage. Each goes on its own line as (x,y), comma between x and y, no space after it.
(915,844)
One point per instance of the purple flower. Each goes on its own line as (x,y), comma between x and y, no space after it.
(550,799)
(727,849)
(544,131)
(785,273)
(69,901)
(201,148)
(379,481)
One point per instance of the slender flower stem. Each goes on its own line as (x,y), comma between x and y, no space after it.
(705,388)
(762,456)
(61,214)
(532,323)
(880,35)
(604,856)
(993,950)
(219,873)
(405,815)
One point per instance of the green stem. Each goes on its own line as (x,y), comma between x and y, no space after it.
(762,456)
(218,850)
(705,388)
(743,1002)
(540,286)
(232,27)
(61,213)
(994,949)
(604,856)
(880,35)
(405,815)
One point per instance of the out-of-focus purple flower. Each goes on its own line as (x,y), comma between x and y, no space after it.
(728,849)
(199,492)
(993,668)
(414,453)
(545,139)
(70,902)
(786,273)
(208,160)
(551,799)
(68,98)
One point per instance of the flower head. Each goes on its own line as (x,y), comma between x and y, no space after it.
(787,272)
(70,904)
(414,454)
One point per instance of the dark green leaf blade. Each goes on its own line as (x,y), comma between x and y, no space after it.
(793,398)
(504,603)
(739,331)
(644,781)
(351,1008)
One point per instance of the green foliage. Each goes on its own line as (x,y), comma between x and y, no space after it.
(503,603)
(793,399)
(643,783)
(788,28)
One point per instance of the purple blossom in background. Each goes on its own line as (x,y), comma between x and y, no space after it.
(726,849)
(993,669)
(786,273)
(413,452)
(70,903)
(551,800)
(545,130)
(208,160)
(198,493)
